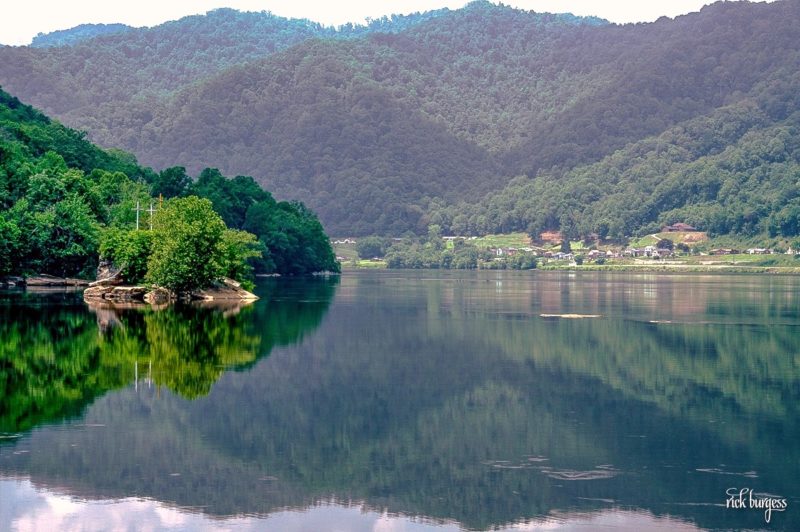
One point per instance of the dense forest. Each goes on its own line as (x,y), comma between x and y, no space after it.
(75,35)
(481,119)
(64,203)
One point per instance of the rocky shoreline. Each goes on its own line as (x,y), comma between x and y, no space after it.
(43,280)
(108,290)
(111,289)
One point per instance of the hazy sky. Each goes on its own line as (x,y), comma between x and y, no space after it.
(21,21)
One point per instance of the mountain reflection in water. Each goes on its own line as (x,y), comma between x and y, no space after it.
(430,399)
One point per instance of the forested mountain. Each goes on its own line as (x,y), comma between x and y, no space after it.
(75,35)
(736,170)
(64,202)
(84,83)
(427,118)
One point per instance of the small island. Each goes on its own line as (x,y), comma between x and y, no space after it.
(188,254)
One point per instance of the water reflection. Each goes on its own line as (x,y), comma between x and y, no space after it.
(56,357)
(451,400)
(30,508)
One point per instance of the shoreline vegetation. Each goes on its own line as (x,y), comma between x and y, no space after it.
(668,251)
(71,212)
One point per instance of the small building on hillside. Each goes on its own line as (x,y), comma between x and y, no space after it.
(679,227)
(724,251)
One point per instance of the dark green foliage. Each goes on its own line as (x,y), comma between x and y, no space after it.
(124,73)
(58,193)
(371,246)
(295,241)
(170,182)
(9,242)
(733,171)
(230,197)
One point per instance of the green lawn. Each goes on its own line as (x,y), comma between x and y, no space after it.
(645,241)
(348,251)
(511,240)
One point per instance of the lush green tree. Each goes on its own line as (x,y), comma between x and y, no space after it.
(295,242)
(187,245)
(63,239)
(129,250)
(170,182)
(239,250)
(371,246)
(9,242)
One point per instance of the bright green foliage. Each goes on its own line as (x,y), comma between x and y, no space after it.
(129,251)
(9,241)
(59,194)
(239,248)
(187,245)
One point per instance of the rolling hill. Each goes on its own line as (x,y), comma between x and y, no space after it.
(434,117)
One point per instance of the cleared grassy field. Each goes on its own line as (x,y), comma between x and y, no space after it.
(510,240)
(346,251)
(687,237)
(745,259)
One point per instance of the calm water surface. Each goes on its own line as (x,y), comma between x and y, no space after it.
(407,401)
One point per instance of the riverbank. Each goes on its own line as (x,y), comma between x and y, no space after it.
(222,290)
(654,267)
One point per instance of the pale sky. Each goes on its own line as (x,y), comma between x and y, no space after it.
(20,21)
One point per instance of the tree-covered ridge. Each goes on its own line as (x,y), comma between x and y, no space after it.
(381,130)
(140,65)
(400,139)
(65,203)
(734,171)
(75,35)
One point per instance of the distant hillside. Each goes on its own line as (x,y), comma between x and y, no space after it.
(74,35)
(82,84)
(734,171)
(382,129)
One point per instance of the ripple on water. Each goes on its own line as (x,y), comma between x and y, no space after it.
(718,471)
(601,472)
